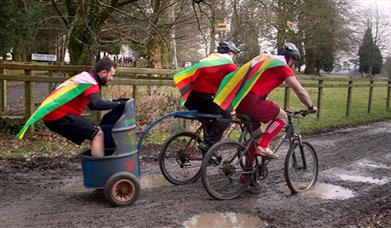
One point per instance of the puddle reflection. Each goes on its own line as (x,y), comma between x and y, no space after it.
(323,191)
(226,220)
(371,164)
(153,182)
(356,178)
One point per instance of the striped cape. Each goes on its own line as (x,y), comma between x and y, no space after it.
(184,79)
(63,93)
(237,84)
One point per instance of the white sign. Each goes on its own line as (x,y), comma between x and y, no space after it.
(44,57)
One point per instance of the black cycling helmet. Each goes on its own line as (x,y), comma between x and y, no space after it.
(290,50)
(227,46)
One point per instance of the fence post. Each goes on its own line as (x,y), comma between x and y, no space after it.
(134,93)
(320,95)
(286,97)
(50,84)
(388,94)
(28,97)
(3,92)
(349,102)
(370,96)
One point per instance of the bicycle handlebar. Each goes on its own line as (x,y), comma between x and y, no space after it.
(296,114)
(242,118)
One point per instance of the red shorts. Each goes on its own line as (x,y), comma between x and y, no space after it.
(258,109)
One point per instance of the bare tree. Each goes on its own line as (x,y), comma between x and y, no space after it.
(84,21)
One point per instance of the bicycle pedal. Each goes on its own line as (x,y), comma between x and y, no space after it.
(185,164)
(215,160)
(262,173)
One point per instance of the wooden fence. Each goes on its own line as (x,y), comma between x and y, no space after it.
(162,77)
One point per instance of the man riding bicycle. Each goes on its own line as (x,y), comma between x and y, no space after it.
(198,86)
(260,109)
(261,76)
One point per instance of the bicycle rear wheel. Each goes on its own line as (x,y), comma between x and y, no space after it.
(180,158)
(226,170)
(301,167)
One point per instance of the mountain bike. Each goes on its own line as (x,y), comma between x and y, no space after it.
(180,157)
(228,167)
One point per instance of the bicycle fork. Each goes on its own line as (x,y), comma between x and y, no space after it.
(301,147)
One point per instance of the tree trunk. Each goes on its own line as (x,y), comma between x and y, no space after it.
(153,51)
(81,53)
(82,42)
(163,21)
(173,53)
(212,43)
(86,20)
(309,62)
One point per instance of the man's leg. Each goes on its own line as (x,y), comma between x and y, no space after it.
(271,131)
(273,128)
(77,129)
(213,131)
(97,145)
(264,110)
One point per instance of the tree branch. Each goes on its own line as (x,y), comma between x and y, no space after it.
(125,2)
(66,22)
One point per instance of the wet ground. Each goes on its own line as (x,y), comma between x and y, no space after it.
(353,190)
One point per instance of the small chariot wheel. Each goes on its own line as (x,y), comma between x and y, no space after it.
(122,189)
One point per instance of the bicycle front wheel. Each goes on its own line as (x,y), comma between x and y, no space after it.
(180,158)
(301,167)
(226,170)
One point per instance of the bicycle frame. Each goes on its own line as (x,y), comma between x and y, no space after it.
(243,168)
(288,135)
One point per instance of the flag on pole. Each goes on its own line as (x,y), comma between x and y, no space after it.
(64,93)
(237,84)
(184,79)
(292,26)
(223,27)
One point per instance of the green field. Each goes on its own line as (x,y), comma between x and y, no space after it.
(333,110)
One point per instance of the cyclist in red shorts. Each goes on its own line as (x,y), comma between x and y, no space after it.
(262,110)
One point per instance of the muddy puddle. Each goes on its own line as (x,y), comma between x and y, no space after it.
(364,179)
(371,164)
(322,191)
(226,220)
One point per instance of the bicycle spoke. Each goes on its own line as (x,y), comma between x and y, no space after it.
(301,167)
(180,159)
(227,179)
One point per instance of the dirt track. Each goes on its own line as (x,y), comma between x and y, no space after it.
(49,192)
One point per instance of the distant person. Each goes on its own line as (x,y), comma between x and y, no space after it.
(187,65)
(61,110)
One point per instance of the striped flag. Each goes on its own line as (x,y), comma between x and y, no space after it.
(237,84)
(292,26)
(64,93)
(184,79)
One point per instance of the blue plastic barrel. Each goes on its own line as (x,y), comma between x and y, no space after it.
(97,170)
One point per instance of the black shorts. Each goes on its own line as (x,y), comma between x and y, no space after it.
(73,127)
(203,102)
